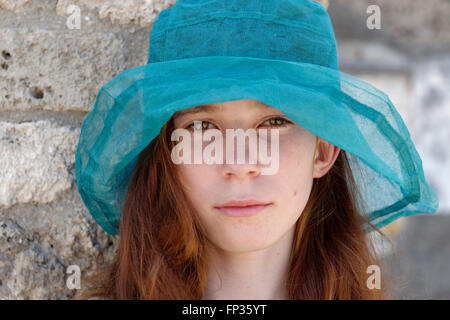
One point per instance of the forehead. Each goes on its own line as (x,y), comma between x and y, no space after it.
(218,107)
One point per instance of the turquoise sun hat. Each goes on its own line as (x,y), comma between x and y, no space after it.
(280,52)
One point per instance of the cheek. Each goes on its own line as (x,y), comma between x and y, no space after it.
(198,181)
(295,171)
(296,158)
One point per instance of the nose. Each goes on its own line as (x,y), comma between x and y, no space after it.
(240,171)
(241,159)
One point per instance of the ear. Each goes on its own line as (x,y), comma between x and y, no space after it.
(325,154)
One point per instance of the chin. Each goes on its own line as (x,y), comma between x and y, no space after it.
(246,245)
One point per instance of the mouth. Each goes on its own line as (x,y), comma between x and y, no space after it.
(242,208)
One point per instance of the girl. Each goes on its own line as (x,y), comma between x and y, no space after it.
(227,231)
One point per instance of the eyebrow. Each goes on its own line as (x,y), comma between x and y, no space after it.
(201,108)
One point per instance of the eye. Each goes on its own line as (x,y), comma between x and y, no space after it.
(277,122)
(200,125)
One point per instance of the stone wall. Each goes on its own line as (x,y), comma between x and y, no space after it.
(49,78)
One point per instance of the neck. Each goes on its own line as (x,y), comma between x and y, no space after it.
(253,275)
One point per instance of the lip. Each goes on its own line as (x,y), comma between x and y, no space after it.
(242,208)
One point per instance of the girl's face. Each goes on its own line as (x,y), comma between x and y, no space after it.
(211,185)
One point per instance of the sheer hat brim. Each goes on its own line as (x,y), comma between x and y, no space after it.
(351,114)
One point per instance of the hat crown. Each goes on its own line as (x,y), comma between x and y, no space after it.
(292,30)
